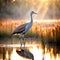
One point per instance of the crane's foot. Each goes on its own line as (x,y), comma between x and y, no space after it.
(24,41)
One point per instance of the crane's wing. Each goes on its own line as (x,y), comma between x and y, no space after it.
(19,29)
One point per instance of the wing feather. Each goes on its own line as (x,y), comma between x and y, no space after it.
(19,29)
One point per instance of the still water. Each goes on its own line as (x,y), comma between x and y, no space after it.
(8,50)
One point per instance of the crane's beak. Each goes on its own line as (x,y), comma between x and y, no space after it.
(35,13)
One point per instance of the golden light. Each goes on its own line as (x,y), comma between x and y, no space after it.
(13,0)
(58,57)
(47,56)
(44,0)
(38,53)
(7,56)
(14,55)
(53,23)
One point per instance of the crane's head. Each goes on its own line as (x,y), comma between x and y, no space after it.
(32,12)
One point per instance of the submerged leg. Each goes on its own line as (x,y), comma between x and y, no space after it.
(24,41)
(20,37)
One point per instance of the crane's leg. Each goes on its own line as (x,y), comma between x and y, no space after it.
(20,37)
(24,41)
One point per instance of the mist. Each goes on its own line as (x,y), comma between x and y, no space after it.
(20,9)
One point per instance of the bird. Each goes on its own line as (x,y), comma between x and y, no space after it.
(24,28)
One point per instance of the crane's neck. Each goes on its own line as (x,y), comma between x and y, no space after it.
(31,18)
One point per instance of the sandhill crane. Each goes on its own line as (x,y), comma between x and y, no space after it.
(22,29)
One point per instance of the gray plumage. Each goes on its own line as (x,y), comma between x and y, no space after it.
(22,29)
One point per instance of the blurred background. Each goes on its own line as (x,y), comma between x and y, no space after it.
(46,24)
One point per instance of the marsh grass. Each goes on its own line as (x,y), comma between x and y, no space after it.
(29,34)
(4,34)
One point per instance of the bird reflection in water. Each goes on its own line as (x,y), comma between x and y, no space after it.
(25,54)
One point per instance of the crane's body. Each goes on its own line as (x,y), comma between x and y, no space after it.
(22,29)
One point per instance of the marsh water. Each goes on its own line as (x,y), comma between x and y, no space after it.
(9,46)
